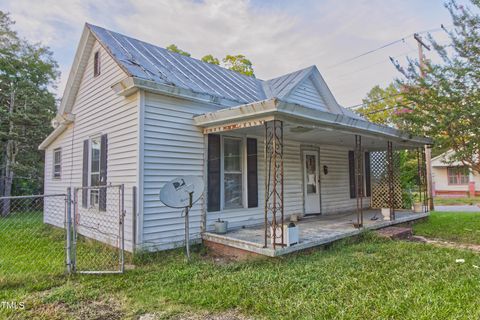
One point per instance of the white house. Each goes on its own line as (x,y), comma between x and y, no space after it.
(452,178)
(136,114)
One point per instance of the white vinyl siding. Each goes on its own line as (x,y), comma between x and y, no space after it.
(99,110)
(335,186)
(172,146)
(307,95)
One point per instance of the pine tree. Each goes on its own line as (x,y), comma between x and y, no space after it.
(27,74)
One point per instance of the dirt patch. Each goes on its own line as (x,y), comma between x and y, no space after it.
(228,315)
(446,244)
(395,232)
(109,309)
(218,259)
(51,311)
(105,310)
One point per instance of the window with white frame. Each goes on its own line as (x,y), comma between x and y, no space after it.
(457,175)
(57,163)
(232,173)
(94,170)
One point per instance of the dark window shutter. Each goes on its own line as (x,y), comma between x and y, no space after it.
(351,173)
(252,175)
(213,173)
(368,183)
(102,201)
(85,174)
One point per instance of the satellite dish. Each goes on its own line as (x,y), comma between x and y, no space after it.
(183,192)
(176,193)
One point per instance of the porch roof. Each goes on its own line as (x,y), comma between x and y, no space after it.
(305,123)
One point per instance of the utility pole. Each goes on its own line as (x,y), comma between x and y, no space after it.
(428,150)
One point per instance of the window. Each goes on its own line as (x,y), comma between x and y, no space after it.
(94,170)
(232,173)
(96,64)
(457,175)
(232,179)
(57,163)
(311,168)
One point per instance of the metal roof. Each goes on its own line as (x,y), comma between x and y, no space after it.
(280,87)
(149,62)
(251,114)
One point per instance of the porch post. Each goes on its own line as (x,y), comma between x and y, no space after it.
(274,209)
(359,179)
(428,175)
(424,180)
(391,191)
(421,197)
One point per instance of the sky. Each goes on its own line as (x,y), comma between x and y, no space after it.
(277,36)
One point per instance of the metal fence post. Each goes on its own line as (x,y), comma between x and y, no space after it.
(68,229)
(122,226)
(134,219)
(73,255)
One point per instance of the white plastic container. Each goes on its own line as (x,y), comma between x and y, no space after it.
(292,234)
(418,207)
(386,214)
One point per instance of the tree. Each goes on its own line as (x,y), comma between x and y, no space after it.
(27,73)
(239,63)
(381,105)
(445,99)
(211,59)
(174,48)
(386,106)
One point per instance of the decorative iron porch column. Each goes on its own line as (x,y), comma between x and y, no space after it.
(274,208)
(390,173)
(359,179)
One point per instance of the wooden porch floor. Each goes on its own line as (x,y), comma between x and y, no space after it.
(314,231)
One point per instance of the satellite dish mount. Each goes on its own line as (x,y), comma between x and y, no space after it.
(183,192)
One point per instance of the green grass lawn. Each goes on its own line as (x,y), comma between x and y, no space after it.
(29,247)
(461,227)
(456,201)
(370,278)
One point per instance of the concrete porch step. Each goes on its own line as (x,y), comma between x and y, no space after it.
(395,232)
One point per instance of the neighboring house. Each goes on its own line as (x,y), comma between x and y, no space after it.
(136,114)
(453,178)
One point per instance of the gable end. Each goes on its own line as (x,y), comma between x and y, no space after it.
(307,95)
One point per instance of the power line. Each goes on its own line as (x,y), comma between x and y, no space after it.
(366,53)
(384,46)
(376,64)
(374,101)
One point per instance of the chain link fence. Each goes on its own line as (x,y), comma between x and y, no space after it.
(47,235)
(32,236)
(98,225)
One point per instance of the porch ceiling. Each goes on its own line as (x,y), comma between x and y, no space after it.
(306,125)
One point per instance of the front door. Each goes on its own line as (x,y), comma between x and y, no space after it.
(311,182)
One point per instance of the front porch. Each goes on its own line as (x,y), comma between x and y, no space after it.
(315,165)
(314,231)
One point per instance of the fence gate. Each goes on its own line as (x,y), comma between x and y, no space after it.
(98,229)
(32,236)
